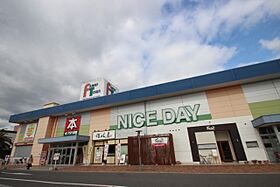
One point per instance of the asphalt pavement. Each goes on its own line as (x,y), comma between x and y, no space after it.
(31,178)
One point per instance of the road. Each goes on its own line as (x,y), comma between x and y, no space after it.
(24,178)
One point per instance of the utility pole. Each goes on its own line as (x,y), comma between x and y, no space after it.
(139,148)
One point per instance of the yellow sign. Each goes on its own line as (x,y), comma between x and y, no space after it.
(30,132)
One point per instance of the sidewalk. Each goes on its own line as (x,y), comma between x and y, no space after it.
(238,168)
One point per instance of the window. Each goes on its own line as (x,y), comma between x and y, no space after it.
(266,130)
(207,146)
(23,151)
(112,150)
(265,137)
(252,144)
(278,128)
(83,143)
(124,149)
(267,145)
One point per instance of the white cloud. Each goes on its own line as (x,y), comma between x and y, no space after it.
(272,45)
(247,63)
(47,48)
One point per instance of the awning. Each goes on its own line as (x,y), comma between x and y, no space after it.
(266,119)
(76,138)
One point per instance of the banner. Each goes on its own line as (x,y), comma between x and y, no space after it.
(30,132)
(97,154)
(106,148)
(118,152)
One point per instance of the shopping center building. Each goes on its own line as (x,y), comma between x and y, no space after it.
(228,116)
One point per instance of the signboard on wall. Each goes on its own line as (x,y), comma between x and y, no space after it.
(97,88)
(72,126)
(30,132)
(104,135)
(159,141)
(164,116)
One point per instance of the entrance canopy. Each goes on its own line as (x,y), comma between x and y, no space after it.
(266,120)
(76,138)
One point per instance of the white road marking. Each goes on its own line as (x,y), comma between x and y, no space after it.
(2,185)
(16,173)
(59,183)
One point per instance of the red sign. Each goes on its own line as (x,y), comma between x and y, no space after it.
(72,126)
(159,141)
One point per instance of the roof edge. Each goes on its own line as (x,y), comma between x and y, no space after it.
(240,75)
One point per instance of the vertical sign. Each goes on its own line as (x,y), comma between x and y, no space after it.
(106,148)
(30,132)
(97,154)
(118,153)
(43,157)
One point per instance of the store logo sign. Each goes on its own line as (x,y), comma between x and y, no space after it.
(91,89)
(110,89)
(210,128)
(152,118)
(103,135)
(97,88)
(72,126)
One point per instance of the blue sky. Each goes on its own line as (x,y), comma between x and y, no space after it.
(48,48)
(246,40)
(247,43)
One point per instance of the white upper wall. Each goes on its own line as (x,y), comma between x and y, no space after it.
(262,91)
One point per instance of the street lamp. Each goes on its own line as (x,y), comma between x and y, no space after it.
(139,147)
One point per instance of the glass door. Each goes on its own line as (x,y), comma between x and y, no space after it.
(50,156)
(271,143)
(66,157)
(72,155)
(225,151)
(62,157)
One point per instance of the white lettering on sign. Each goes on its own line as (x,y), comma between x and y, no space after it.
(103,135)
(72,124)
(210,128)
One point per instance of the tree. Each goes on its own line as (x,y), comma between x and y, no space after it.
(5,144)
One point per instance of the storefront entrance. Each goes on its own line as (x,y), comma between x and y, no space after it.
(69,154)
(208,141)
(271,143)
(110,152)
(224,150)
(66,156)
